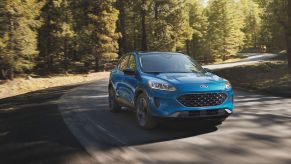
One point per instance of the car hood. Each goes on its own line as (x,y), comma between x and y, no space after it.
(190,78)
(193,81)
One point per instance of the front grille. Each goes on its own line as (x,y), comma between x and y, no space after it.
(202,99)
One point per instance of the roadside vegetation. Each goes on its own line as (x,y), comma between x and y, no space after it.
(77,36)
(47,38)
(270,77)
(21,85)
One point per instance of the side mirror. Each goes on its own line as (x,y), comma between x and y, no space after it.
(208,70)
(129,71)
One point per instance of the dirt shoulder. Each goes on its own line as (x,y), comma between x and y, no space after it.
(24,85)
(269,77)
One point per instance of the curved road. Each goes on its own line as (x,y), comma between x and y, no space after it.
(251,58)
(258,132)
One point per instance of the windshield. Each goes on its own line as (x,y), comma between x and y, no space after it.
(169,63)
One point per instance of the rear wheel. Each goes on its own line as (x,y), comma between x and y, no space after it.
(113,106)
(143,113)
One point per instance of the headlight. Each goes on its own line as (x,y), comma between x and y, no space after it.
(161,86)
(227,85)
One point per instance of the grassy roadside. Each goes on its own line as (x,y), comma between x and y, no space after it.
(24,85)
(269,77)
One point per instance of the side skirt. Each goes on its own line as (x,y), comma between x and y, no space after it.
(125,103)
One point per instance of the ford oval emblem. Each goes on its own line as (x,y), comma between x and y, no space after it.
(203,86)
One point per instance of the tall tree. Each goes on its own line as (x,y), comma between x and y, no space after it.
(143,12)
(18,35)
(169,26)
(56,35)
(121,6)
(276,25)
(288,34)
(250,11)
(196,47)
(224,31)
(272,32)
(101,30)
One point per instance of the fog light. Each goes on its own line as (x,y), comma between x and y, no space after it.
(157,102)
(228,111)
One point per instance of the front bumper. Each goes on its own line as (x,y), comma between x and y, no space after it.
(165,104)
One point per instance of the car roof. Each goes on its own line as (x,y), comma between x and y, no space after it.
(160,53)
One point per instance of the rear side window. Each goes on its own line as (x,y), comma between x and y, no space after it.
(131,63)
(123,63)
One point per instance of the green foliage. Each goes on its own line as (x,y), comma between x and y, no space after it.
(274,16)
(100,32)
(18,36)
(252,22)
(224,35)
(58,36)
(197,45)
(167,25)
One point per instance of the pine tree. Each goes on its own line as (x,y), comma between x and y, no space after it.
(101,30)
(18,35)
(156,25)
(252,22)
(196,47)
(169,26)
(56,35)
(224,31)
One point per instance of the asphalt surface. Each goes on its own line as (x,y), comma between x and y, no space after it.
(72,124)
(251,58)
(258,132)
(33,131)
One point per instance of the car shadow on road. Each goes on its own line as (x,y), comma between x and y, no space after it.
(253,112)
(121,129)
(258,132)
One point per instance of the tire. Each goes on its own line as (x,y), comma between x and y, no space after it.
(114,107)
(143,113)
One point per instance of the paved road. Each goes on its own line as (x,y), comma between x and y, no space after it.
(33,131)
(251,58)
(258,132)
(42,127)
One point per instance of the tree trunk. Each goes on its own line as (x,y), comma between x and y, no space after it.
(3,74)
(10,74)
(188,46)
(121,27)
(66,55)
(47,42)
(96,64)
(50,61)
(144,31)
(288,30)
(156,10)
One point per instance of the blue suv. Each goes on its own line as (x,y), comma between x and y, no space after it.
(168,85)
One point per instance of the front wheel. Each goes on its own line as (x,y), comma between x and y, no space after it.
(113,106)
(143,113)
